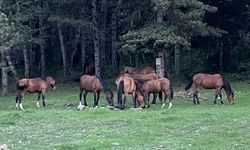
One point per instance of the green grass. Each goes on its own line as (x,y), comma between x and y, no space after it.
(184,126)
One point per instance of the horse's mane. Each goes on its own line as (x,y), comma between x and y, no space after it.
(104,84)
(139,86)
(227,86)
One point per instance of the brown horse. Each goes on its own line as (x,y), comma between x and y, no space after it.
(208,81)
(33,85)
(126,85)
(157,86)
(133,70)
(142,78)
(94,84)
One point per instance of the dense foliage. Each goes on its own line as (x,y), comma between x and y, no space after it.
(42,36)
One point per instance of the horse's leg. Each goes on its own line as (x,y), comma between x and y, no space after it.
(124,101)
(148,100)
(17,99)
(154,98)
(216,95)
(21,94)
(38,99)
(221,100)
(43,97)
(197,98)
(164,101)
(134,99)
(84,97)
(80,97)
(97,100)
(194,96)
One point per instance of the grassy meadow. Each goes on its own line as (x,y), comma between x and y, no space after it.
(184,126)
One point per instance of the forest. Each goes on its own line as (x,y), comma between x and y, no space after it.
(58,37)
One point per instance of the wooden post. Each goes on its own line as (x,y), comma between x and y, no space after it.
(160,64)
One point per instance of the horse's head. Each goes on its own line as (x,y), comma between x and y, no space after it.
(50,81)
(230,98)
(109,97)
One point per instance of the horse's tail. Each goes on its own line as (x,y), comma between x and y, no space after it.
(189,85)
(120,91)
(171,91)
(227,86)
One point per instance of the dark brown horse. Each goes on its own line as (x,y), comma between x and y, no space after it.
(33,85)
(126,85)
(133,70)
(157,86)
(94,84)
(89,68)
(208,81)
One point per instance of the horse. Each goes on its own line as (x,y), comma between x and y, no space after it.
(97,85)
(126,85)
(142,78)
(157,86)
(210,81)
(133,70)
(33,85)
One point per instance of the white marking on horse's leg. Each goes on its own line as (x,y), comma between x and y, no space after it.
(21,106)
(37,104)
(16,105)
(80,104)
(163,105)
(218,97)
(170,105)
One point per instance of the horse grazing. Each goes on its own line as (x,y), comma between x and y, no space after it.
(94,84)
(126,85)
(208,81)
(157,86)
(133,70)
(142,78)
(33,85)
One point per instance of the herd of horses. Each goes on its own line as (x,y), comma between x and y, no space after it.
(139,83)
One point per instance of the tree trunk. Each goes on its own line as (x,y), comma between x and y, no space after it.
(74,49)
(11,65)
(41,37)
(96,38)
(64,59)
(176,60)
(103,18)
(160,69)
(26,62)
(4,76)
(83,51)
(167,64)
(114,37)
(220,45)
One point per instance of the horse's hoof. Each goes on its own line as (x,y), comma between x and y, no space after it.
(110,107)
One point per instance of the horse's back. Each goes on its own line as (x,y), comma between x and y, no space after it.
(32,84)
(208,81)
(146,70)
(152,86)
(90,83)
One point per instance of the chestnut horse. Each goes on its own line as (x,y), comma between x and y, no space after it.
(126,85)
(133,70)
(94,84)
(33,85)
(142,78)
(210,81)
(157,86)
